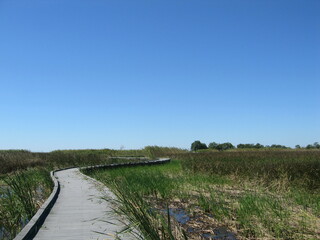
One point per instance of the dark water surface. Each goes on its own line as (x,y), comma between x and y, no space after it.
(220,234)
(179,214)
(182,217)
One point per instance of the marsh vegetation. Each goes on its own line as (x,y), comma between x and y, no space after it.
(238,194)
(21,194)
(25,181)
(272,194)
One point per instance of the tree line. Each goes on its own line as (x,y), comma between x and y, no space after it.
(197,145)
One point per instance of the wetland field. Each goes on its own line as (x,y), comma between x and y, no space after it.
(222,195)
(233,194)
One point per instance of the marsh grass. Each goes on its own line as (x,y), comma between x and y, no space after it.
(214,204)
(22,195)
(15,160)
(142,220)
(266,212)
(250,205)
(301,168)
(22,185)
(11,214)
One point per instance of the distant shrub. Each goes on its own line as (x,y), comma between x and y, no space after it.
(250,145)
(316,145)
(221,146)
(197,145)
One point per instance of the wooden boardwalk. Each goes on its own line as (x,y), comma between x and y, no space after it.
(79,212)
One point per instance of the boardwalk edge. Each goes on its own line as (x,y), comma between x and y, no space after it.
(31,229)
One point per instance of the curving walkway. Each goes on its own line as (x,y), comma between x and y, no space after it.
(79,212)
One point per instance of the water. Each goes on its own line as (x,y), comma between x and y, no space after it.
(220,234)
(190,229)
(1,233)
(179,214)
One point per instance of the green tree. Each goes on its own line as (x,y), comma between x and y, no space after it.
(225,146)
(258,145)
(316,145)
(213,145)
(250,145)
(278,146)
(197,145)
(245,145)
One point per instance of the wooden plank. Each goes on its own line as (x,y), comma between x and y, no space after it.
(79,212)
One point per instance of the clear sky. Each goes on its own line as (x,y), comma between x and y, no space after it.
(112,73)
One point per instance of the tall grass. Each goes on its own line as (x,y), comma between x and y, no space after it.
(131,186)
(14,160)
(21,197)
(142,220)
(156,151)
(235,194)
(11,214)
(300,168)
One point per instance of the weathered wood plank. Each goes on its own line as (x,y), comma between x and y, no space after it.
(79,212)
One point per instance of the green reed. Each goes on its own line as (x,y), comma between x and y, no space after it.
(298,167)
(252,205)
(22,195)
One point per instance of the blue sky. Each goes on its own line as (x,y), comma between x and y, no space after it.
(112,73)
